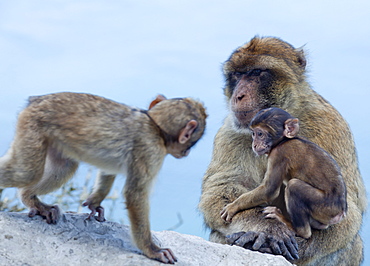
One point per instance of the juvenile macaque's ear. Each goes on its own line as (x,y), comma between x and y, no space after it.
(187,131)
(159,98)
(291,127)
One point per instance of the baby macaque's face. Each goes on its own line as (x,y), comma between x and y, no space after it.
(262,141)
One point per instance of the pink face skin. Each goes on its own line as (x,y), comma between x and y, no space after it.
(261,142)
(178,150)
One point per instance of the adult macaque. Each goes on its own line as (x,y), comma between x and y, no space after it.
(56,131)
(315,193)
(268,72)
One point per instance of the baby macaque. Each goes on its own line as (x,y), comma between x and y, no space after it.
(57,131)
(315,193)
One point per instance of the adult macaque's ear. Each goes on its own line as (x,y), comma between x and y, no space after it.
(159,98)
(291,127)
(187,131)
(301,57)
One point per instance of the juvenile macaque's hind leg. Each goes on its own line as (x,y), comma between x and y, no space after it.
(24,162)
(58,170)
(49,212)
(302,200)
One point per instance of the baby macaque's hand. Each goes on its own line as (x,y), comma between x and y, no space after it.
(228,212)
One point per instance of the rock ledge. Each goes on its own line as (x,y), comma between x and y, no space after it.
(74,241)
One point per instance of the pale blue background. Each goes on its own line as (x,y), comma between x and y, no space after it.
(131,50)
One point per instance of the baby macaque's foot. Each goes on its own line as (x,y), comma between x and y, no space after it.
(228,212)
(50,213)
(272,213)
(95,209)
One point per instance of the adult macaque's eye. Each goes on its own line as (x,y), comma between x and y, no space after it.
(255,72)
(238,75)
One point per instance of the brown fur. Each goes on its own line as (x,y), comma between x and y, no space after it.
(235,170)
(56,131)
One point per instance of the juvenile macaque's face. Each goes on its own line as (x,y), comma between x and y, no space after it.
(186,139)
(178,150)
(262,141)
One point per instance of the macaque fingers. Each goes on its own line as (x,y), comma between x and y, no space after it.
(50,213)
(230,239)
(259,241)
(95,209)
(33,212)
(242,238)
(170,256)
(225,215)
(272,212)
(228,212)
(164,255)
(285,245)
(100,217)
(91,215)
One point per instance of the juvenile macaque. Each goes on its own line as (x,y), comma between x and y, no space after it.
(315,193)
(56,131)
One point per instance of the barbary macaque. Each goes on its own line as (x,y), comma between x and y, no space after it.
(269,72)
(57,131)
(315,193)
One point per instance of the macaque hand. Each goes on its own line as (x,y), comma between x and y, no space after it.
(283,243)
(94,209)
(164,255)
(228,212)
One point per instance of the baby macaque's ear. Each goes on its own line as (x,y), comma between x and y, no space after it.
(159,98)
(291,127)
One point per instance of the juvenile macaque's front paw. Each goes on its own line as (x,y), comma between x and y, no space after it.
(228,212)
(95,209)
(164,255)
(50,213)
